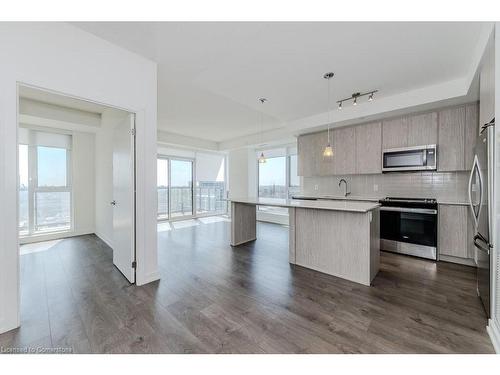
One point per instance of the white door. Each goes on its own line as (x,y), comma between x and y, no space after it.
(124,197)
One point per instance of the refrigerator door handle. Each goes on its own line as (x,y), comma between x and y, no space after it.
(485,248)
(471,204)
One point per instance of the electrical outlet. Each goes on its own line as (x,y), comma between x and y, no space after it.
(375,187)
(315,187)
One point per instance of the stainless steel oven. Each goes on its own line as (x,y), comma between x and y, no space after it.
(409,226)
(417,158)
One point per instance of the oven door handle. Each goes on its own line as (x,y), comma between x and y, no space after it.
(410,210)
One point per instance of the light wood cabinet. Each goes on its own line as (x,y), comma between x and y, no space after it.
(453,231)
(395,132)
(369,148)
(305,155)
(451,139)
(358,149)
(422,129)
(310,161)
(344,149)
(471,132)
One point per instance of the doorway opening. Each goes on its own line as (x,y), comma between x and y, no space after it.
(76,184)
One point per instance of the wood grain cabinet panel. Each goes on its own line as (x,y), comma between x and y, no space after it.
(310,161)
(395,132)
(369,148)
(344,150)
(423,129)
(451,139)
(452,231)
(471,132)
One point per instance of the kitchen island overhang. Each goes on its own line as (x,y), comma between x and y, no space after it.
(339,238)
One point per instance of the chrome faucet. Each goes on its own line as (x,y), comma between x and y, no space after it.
(345,182)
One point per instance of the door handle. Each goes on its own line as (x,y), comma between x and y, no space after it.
(113,203)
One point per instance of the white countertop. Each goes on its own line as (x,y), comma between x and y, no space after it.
(333,205)
(339,197)
(370,199)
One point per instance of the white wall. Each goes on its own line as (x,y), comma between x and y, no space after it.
(242,173)
(83,166)
(65,59)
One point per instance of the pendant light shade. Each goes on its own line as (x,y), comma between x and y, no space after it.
(328,151)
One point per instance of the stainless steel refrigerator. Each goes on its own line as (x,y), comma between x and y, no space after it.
(480,198)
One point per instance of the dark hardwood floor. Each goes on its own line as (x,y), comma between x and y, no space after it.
(216,299)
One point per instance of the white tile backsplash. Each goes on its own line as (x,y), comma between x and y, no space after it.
(444,186)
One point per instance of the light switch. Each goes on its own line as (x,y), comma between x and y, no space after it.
(315,187)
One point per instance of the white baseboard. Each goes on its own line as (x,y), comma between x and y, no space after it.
(53,236)
(104,239)
(272,218)
(494,331)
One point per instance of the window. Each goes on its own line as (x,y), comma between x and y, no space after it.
(277,178)
(44,182)
(293,178)
(272,178)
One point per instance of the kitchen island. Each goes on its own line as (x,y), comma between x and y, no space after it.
(338,237)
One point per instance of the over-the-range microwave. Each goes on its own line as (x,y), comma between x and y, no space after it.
(416,158)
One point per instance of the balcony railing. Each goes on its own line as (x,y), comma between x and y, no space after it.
(208,200)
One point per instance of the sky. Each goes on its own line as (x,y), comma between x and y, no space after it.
(51,166)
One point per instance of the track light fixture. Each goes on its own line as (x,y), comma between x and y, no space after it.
(354,97)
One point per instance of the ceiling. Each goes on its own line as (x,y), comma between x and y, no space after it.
(210,75)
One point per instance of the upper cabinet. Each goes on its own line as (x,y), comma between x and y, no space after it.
(395,133)
(310,160)
(407,131)
(471,132)
(358,149)
(451,149)
(423,129)
(344,150)
(458,130)
(369,148)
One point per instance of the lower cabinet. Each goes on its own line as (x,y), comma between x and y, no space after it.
(455,232)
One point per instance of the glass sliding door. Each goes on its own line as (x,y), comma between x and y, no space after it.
(162,188)
(210,184)
(181,188)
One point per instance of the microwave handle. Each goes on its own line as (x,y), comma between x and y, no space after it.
(424,158)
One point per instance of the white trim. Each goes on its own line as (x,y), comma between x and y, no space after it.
(53,236)
(493,330)
(270,217)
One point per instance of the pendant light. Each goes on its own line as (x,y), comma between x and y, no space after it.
(328,151)
(262,158)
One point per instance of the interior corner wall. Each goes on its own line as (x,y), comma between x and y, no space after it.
(63,58)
